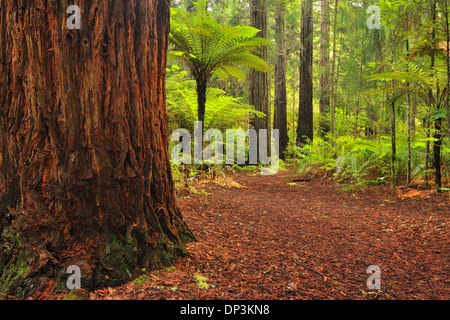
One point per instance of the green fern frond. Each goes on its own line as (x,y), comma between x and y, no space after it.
(209,47)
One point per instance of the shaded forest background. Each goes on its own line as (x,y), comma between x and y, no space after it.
(379,107)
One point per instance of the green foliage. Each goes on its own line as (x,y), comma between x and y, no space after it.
(207,47)
(141,280)
(75,295)
(222,110)
(373,70)
(201,281)
(362,161)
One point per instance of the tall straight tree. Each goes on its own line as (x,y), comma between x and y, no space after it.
(324,101)
(280,103)
(305,131)
(259,93)
(444,4)
(408,126)
(333,72)
(408,114)
(394,181)
(85,176)
(437,145)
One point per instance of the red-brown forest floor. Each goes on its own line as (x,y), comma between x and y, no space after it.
(267,238)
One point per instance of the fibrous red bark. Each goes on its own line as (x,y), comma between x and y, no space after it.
(85,175)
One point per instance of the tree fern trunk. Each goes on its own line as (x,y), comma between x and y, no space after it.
(202,89)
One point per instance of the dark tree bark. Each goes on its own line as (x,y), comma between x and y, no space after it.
(427,148)
(447,58)
(280,103)
(437,147)
(85,176)
(394,146)
(259,95)
(324,101)
(333,76)
(408,115)
(202,89)
(408,127)
(305,129)
(437,144)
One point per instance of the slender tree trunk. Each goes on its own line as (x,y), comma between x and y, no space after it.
(413,116)
(408,138)
(383,111)
(259,95)
(408,123)
(333,76)
(294,102)
(414,101)
(431,99)
(394,181)
(324,101)
(305,131)
(437,144)
(269,105)
(85,176)
(427,148)
(447,56)
(358,99)
(202,88)
(394,147)
(280,103)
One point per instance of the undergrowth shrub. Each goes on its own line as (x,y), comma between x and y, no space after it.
(360,160)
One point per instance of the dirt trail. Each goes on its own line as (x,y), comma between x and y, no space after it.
(276,240)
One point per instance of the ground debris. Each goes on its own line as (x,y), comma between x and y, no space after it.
(261,238)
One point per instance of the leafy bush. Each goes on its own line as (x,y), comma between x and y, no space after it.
(360,160)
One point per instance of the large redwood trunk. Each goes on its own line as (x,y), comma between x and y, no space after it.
(85,176)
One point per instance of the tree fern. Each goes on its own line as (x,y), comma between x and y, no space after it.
(208,48)
(223,111)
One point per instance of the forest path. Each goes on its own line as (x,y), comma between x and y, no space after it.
(275,240)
